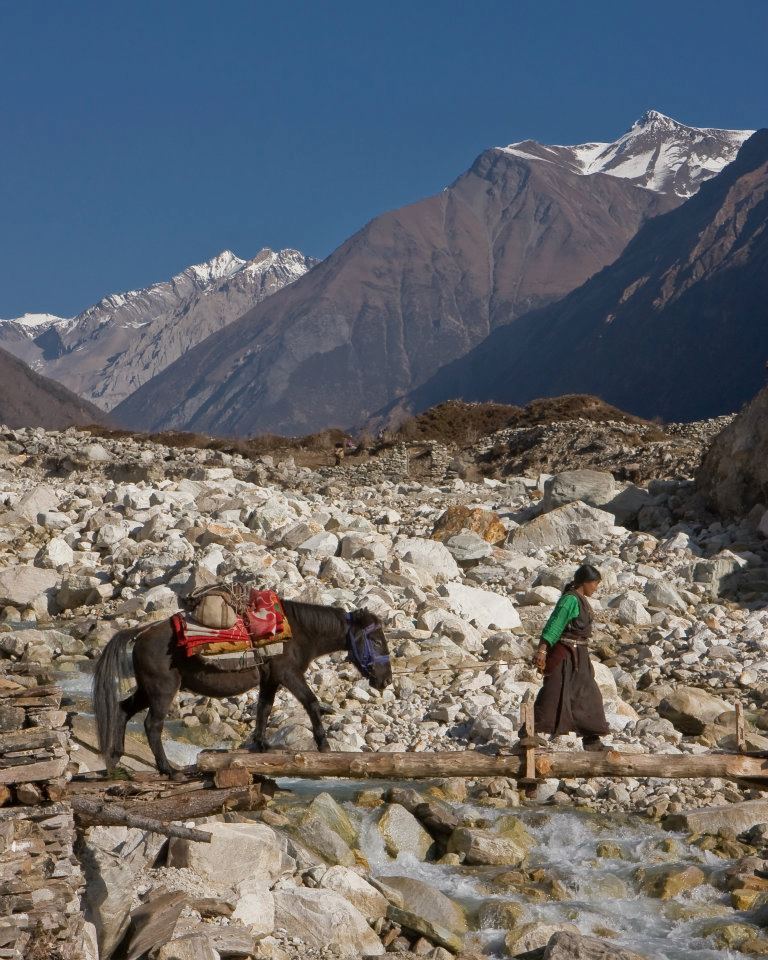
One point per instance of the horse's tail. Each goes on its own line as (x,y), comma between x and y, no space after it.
(106,696)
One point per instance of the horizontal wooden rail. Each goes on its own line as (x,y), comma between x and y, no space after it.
(470,763)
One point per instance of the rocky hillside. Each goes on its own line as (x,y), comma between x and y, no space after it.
(419,287)
(113,347)
(676,328)
(28,399)
(734,474)
(106,533)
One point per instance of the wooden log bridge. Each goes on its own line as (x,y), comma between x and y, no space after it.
(472,764)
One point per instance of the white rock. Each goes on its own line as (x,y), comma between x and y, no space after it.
(320,545)
(56,553)
(111,533)
(21,585)
(482,606)
(39,500)
(356,890)
(54,520)
(574,523)
(589,486)
(429,555)
(237,852)
(255,907)
(322,919)
(630,610)
(160,598)
(95,452)
(489,725)
(541,595)
(663,595)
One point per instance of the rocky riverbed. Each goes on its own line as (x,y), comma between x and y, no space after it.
(101,534)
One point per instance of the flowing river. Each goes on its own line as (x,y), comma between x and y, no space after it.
(599,893)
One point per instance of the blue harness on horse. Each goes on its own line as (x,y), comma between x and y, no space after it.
(360,649)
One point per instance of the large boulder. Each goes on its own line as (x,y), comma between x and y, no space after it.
(716,571)
(733,476)
(482,606)
(630,609)
(663,596)
(325,808)
(322,919)
(323,840)
(572,945)
(354,888)
(590,486)
(41,499)
(427,911)
(533,936)
(188,948)
(484,523)
(428,555)
(402,833)
(574,523)
(484,848)
(78,590)
(21,585)
(108,892)
(736,817)
(690,709)
(255,907)
(237,852)
(666,881)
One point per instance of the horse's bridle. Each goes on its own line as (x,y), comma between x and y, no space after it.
(360,649)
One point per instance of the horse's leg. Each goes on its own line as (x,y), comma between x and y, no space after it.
(298,686)
(267,691)
(128,708)
(153,725)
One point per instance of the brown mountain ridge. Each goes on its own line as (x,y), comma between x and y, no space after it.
(410,292)
(677,328)
(30,400)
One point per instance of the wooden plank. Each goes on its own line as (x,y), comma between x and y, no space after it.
(113,814)
(470,763)
(740,739)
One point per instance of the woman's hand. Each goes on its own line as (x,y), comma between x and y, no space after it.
(540,660)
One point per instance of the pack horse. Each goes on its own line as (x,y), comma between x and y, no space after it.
(166,660)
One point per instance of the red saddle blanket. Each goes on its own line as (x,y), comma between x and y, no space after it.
(263,623)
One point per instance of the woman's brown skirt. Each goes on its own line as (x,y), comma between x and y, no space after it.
(569,700)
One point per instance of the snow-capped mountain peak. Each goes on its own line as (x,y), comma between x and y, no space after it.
(112,347)
(36,323)
(223,265)
(657,152)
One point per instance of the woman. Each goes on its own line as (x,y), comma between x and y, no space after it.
(569,699)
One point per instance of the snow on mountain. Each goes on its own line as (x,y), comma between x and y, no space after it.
(112,347)
(657,152)
(36,321)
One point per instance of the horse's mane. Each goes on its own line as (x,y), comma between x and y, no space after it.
(313,617)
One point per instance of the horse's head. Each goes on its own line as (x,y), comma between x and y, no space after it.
(367,648)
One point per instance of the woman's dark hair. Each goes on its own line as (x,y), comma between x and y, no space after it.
(585,574)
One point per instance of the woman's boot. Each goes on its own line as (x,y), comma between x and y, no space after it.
(594,744)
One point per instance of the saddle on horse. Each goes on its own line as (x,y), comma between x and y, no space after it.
(222,620)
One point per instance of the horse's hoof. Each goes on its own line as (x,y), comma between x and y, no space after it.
(259,746)
(324,747)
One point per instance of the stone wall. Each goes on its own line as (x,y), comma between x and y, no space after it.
(40,879)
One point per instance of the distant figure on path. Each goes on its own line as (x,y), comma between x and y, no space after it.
(570,700)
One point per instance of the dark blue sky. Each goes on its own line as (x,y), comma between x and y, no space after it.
(139,137)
